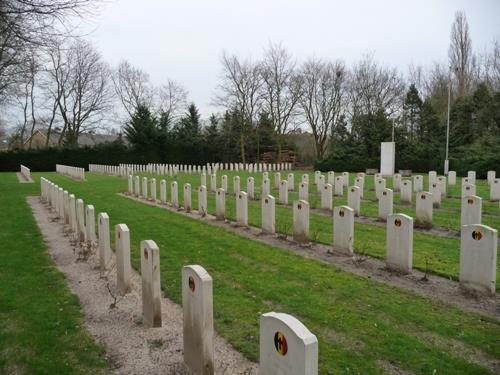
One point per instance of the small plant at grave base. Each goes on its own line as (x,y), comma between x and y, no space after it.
(361,255)
(203,212)
(282,230)
(315,236)
(157,343)
(85,251)
(115,298)
(426,270)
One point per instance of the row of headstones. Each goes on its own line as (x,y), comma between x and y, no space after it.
(25,171)
(73,172)
(286,345)
(476,259)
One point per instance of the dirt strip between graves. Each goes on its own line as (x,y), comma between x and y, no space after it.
(435,287)
(23,179)
(130,348)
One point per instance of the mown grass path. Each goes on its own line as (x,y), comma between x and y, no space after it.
(41,324)
(362,326)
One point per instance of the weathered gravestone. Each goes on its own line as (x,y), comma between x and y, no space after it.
(432,178)
(223,183)
(174,194)
(304,191)
(145,187)
(452,178)
(360,182)
(478,257)
(326,197)
(490,177)
(287,347)
(418,183)
(123,267)
(137,186)
(131,184)
(266,187)
(316,176)
(163,191)
(104,240)
(470,212)
(305,178)
(343,230)
(435,190)
(203,179)
(220,204)
(321,183)
(187,197)
(198,325)
(202,200)
(80,219)
(385,204)
(331,178)
(354,199)
(495,189)
(339,186)
(213,183)
(90,223)
(283,193)
(424,209)
(380,186)
(405,197)
(291,182)
(151,292)
(345,178)
(236,185)
(66,207)
(242,208)
(153,189)
(251,188)
(441,180)
(399,243)
(396,182)
(268,214)
(468,189)
(471,175)
(301,221)
(72,214)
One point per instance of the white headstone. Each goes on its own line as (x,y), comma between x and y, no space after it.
(251,188)
(123,267)
(327,197)
(137,186)
(490,177)
(153,189)
(471,175)
(277,180)
(287,347)
(354,199)
(305,178)
(283,193)
(151,292)
(359,181)
(400,242)
(174,194)
(242,208)
(203,179)
(304,191)
(495,189)
(145,187)
(268,214)
(478,257)
(90,223)
(163,191)
(380,186)
(418,183)
(406,192)
(187,197)
(385,204)
(424,208)
(345,178)
(468,189)
(452,178)
(220,204)
(104,241)
(316,176)
(131,184)
(80,220)
(213,183)
(72,214)
(432,178)
(202,200)
(198,321)
(266,187)
(331,178)
(291,182)
(301,221)
(223,183)
(343,230)
(396,182)
(471,210)
(321,183)
(236,185)
(339,186)
(435,190)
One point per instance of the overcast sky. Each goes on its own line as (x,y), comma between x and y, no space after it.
(183,39)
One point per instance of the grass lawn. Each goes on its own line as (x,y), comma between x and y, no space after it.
(439,255)
(41,324)
(362,326)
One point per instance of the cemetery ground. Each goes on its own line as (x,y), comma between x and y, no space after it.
(362,326)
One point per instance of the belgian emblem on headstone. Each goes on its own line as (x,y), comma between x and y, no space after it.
(477,235)
(192,285)
(280,343)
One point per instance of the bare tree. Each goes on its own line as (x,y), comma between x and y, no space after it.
(28,24)
(172,98)
(280,89)
(460,53)
(83,89)
(132,87)
(239,90)
(373,87)
(322,98)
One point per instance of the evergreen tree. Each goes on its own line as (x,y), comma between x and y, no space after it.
(412,107)
(142,133)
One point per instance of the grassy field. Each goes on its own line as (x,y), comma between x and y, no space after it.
(439,255)
(363,327)
(40,320)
